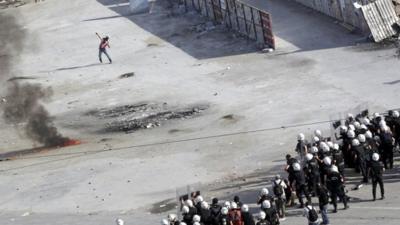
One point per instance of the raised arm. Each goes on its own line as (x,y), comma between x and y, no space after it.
(98,36)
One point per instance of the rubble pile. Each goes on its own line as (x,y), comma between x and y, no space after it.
(130,118)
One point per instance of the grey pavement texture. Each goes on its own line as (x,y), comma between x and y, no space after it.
(318,72)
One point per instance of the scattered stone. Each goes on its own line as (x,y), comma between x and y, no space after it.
(26,214)
(129,118)
(267,50)
(127,75)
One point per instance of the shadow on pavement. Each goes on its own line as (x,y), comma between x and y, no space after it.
(181,31)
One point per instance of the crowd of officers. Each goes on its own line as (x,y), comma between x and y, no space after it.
(362,142)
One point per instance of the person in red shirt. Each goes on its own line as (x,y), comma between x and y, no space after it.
(104,43)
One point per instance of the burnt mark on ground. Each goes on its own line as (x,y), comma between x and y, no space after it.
(130,118)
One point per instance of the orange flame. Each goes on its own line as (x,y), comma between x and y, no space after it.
(71,142)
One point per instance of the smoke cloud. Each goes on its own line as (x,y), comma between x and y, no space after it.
(23,102)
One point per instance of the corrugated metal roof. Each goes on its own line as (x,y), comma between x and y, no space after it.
(380,17)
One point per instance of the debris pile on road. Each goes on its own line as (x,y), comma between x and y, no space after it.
(7,3)
(129,118)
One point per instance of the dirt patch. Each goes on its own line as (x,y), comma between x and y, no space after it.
(21,78)
(231,118)
(130,118)
(372,46)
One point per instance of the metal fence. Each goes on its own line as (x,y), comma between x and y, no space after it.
(342,10)
(252,22)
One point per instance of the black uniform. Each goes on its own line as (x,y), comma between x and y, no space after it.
(290,161)
(205,216)
(301,189)
(248,218)
(323,196)
(272,216)
(346,149)
(311,171)
(387,147)
(359,158)
(187,218)
(338,160)
(336,188)
(215,214)
(376,172)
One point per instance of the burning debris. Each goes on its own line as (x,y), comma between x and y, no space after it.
(23,107)
(129,118)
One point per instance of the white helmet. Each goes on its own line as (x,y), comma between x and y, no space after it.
(351,134)
(199,199)
(245,208)
(361,138)
(196,218)
(355,142)
(196,223)
(318,133)
(357,125)
(351,127)
(164,222)
(266,204)
(224,211)
(182,223)
(330,144)
(385,128)
(185,209)
(316,139)
(375,156)
(336,146)
(314,149)
(365,121)
(334,169)
(396,114)
(324,147)
(171,217)
(121,222)
(189,203)
(376,115)
(264,191)
(368,134)
(262,215)
(327,161)
(204,205)
(343,128)
(234,205)
(309,156)
(300,137)
(349,115)
(296,167)
(363,127)
(227,205)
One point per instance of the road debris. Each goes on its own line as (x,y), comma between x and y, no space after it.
(129,118)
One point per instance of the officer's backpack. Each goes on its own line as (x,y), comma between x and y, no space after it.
(278,189)
(312,214)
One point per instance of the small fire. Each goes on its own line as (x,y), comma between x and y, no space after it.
(71,142)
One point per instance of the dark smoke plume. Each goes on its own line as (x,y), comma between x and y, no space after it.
(22,104)
(12,38)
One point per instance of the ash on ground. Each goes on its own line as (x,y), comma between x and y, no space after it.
(130,118)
